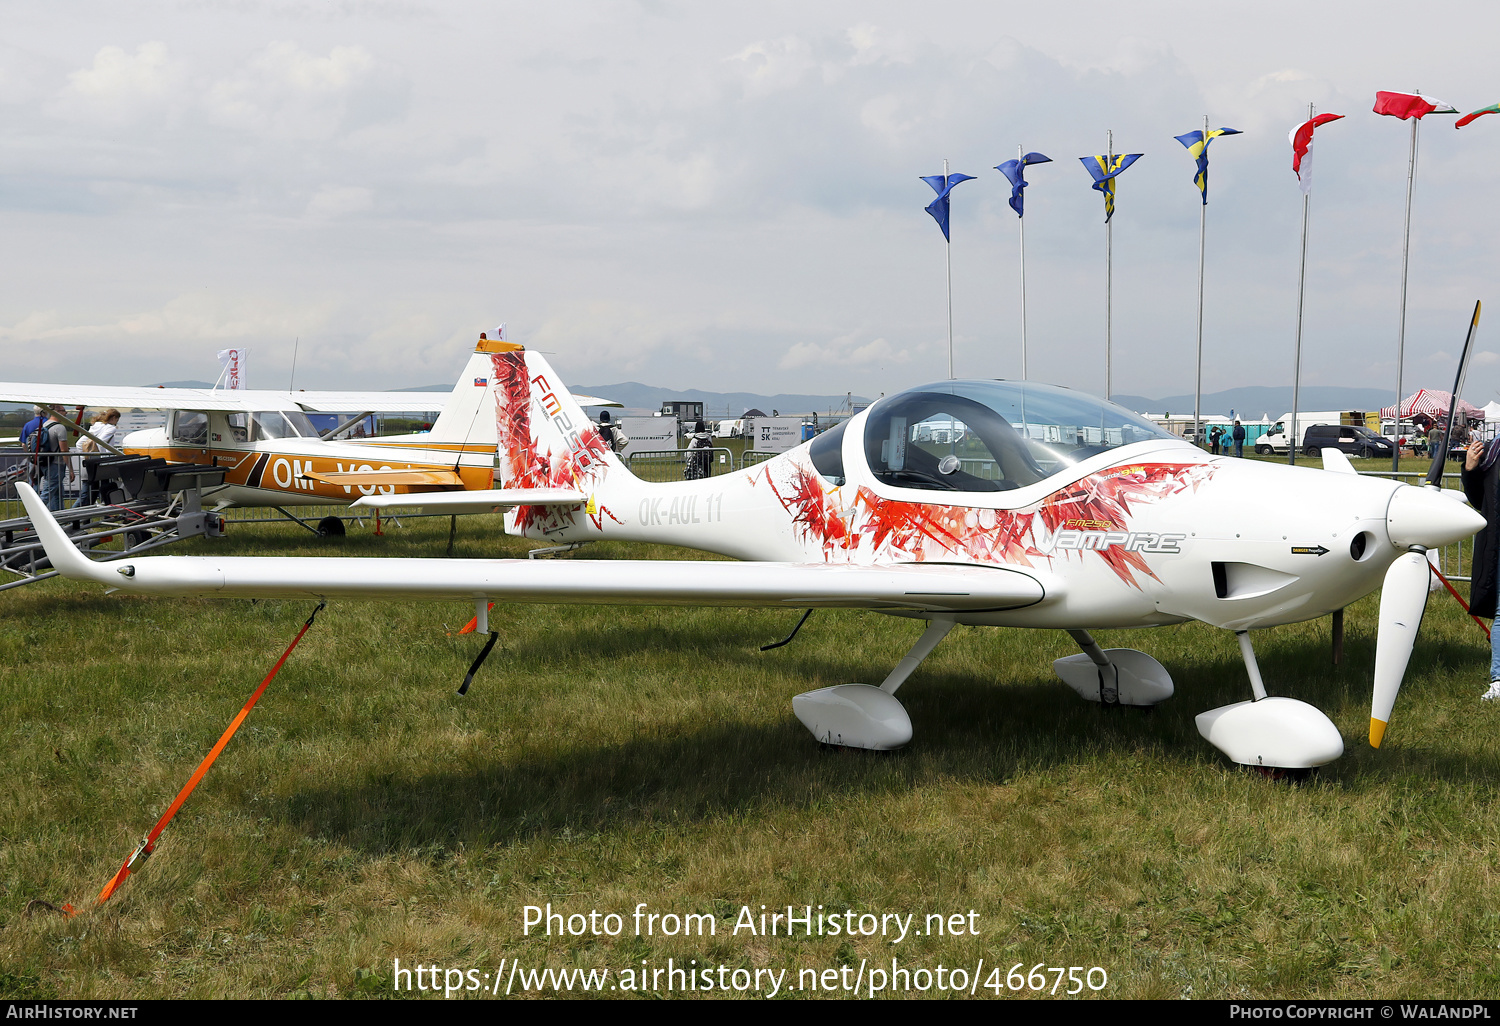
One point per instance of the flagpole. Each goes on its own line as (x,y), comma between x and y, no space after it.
(948,258)
(1109,150)
(1021,156)
(1202,235)
(1411,174)
(1301,292)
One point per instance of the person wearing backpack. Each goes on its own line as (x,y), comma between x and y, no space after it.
(51,441)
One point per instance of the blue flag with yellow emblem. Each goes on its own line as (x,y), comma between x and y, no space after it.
(942,185)
(1014,172)
(1197,146)
(1105,171)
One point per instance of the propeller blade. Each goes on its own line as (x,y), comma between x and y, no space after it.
(1403,600)
(1440,459)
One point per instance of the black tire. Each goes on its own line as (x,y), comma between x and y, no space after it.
(1262,450)
(1308,450)
(331,527)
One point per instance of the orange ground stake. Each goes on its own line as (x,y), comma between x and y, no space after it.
(149,844)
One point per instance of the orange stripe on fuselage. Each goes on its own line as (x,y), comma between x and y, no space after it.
(286,472)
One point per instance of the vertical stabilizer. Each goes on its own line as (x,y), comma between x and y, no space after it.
(543,438)
(469,414)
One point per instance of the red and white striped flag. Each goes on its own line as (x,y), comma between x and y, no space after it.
(1410,105)
(1302,140)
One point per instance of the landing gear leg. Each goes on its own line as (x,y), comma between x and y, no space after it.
(863,716)
(1113,676)
(1270,733)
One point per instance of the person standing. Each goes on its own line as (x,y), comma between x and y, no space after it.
(103,428)
(1238,434)
(1481,481)
(52,444)
(697,453)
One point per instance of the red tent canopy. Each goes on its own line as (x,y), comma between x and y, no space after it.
(1434,404)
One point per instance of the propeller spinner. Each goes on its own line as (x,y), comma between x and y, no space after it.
(1417,519)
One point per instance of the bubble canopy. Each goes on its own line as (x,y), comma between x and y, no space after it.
(992,436)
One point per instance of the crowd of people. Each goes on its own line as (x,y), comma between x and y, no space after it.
(56,462)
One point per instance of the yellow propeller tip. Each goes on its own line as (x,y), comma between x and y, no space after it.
(1377,732)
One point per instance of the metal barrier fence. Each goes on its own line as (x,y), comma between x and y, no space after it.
(662,465)
(16,464)
(750,457)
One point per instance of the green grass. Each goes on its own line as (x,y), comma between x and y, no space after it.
(609,756)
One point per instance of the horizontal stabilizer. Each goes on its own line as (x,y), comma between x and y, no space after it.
(421,478)
(476,501)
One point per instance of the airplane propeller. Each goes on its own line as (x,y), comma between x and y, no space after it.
(1418,520)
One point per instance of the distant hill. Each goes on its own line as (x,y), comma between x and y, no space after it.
(648,399)
(1254,400)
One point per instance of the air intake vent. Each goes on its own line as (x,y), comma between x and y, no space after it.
(1246,580)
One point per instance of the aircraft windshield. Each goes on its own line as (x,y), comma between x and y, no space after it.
(991,436)
(282,424)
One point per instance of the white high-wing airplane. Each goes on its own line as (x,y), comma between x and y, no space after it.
(994,503)
(274,456)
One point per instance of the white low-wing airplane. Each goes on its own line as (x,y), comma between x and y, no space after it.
(992,503)
(273,455)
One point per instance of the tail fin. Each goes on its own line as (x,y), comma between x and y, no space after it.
(543,437)
(469,414)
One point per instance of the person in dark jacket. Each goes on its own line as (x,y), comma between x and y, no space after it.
(1481,479)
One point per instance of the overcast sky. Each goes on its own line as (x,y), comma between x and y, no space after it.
(727,196)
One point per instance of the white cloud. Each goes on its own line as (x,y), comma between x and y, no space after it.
(288,93)
(844,351)
(337,201)
(122,86)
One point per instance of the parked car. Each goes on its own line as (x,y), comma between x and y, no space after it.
(1354,439)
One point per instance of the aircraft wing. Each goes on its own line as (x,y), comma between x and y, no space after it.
(593,400)
(927,587)
(126,397)
(474,501)
(369,402)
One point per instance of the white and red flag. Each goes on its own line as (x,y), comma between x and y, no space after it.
(233,362)
(1302,140)
(1410,105)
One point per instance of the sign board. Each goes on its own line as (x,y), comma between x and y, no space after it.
(648,434)
(775,434)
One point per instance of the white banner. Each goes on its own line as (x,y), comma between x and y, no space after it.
(775,434)
(233,363)
(648,434)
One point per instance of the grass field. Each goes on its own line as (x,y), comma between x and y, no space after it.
(611,756)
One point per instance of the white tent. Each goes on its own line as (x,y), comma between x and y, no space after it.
(1491,412)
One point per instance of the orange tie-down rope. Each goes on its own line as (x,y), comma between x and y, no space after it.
(1454,592)
(149,844)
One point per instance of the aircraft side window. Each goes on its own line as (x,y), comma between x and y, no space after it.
(271,425)
(190,427)
(827,452)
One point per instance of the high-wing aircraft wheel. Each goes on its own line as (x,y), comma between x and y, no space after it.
(331,527)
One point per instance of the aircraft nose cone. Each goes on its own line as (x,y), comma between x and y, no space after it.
(1428,517)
